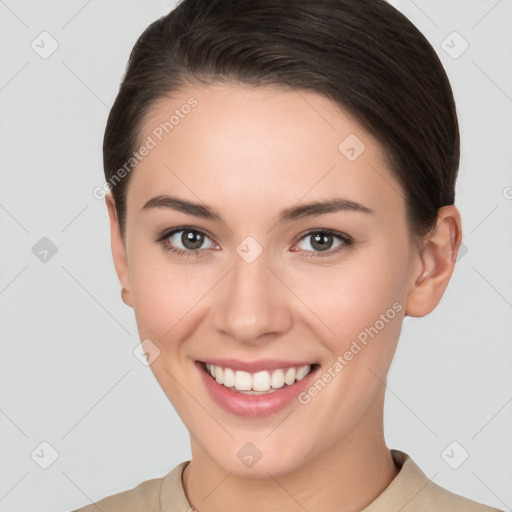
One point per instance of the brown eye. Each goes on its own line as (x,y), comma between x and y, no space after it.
(324,241)
(186,241)
(191,239)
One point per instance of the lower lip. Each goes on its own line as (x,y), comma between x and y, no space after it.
(254,405)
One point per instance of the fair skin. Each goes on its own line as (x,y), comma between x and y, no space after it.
(249,153)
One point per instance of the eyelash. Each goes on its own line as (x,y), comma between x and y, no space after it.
(347,243)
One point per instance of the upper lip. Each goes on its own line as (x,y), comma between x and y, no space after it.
(255,366)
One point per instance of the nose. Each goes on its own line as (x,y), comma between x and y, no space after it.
(252,303)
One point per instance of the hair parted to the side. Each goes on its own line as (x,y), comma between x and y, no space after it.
(364,55)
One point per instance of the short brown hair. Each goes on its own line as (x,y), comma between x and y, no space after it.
(364,55)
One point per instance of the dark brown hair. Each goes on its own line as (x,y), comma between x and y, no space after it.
(363,54)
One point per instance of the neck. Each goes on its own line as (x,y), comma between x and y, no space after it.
(347,477)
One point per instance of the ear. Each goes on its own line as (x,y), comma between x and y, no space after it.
(436,261)
(118,251)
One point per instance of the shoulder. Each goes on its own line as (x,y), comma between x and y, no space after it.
(413,491)
(436,497)
(145,497)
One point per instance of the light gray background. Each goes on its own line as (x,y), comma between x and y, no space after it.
(68,376)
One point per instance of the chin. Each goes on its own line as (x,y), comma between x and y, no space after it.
(252,462)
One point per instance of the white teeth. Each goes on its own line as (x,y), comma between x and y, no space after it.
(277,379)
(243,381)
(219,375)
(259,382)
(289,376)
(303,371)
(229,378)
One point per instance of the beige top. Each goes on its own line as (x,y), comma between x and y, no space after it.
(410,491)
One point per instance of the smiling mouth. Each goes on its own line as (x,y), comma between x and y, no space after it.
(257,383)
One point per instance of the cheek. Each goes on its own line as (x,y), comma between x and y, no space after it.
(353,295)
(164,293)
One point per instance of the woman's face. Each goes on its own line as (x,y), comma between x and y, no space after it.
(263,282)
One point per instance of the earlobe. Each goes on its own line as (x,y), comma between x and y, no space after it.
(118,251)
(436,261)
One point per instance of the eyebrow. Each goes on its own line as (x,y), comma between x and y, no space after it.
(311,209)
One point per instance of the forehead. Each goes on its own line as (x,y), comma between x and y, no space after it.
(253,145)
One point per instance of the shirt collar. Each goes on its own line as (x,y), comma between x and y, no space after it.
(409,482)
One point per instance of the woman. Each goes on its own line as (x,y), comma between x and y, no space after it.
(281,195)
